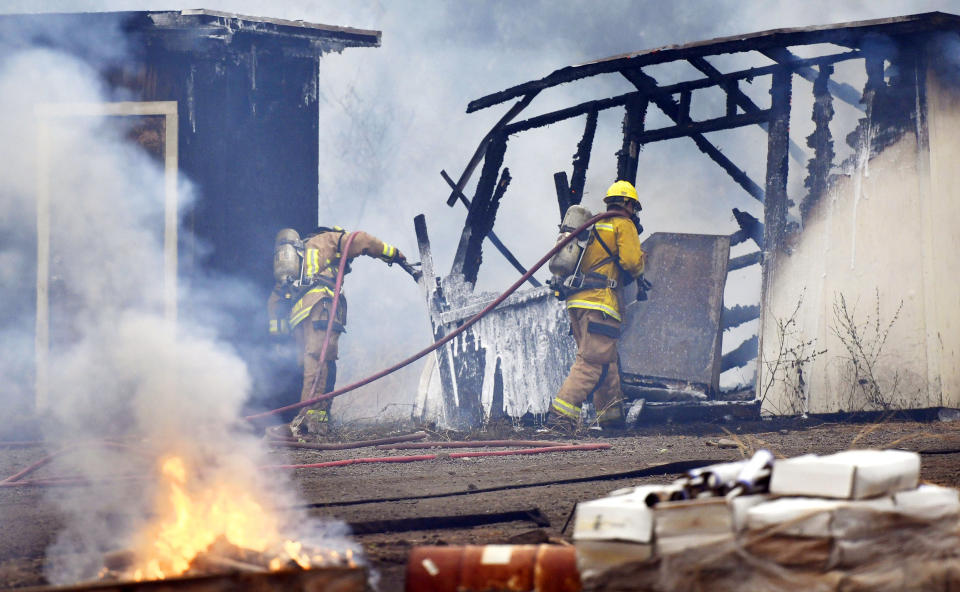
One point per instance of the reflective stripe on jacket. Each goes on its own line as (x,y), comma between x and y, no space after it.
(620,236)
(321,260)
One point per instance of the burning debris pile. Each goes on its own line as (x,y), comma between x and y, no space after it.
(209,528)
(855,520)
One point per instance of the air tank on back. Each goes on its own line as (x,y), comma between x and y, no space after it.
(565,261)
(286,260)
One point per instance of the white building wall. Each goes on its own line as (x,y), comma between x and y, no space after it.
(885,234)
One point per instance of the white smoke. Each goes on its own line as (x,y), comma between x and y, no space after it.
(118,367)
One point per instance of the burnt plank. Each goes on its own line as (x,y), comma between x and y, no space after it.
(659,91)
(744,261)
(737,98)
(701,127)
(581,159)
(842,91)
(741,356)
(738,315)
(750,228)
(481,149)
(775,206)
(646,83)
(471,238)
(821,140)
(627,156)
(846,34)
(563,191)
(494,239)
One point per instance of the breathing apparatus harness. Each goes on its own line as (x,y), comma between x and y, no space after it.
(592,279)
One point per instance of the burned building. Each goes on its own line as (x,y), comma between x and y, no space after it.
(228,105)
(852,264)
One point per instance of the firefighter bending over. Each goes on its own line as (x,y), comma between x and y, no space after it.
(612,255)
(301,302)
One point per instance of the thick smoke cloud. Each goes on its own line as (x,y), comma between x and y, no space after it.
(393,116)
(118,367)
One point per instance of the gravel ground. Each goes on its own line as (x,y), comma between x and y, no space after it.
(449,489)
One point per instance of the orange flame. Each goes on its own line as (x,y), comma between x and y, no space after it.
(191,517)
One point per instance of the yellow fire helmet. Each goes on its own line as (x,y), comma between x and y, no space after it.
(625,190)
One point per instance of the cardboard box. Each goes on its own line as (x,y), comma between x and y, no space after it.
(594,557)
(852,474)
(694,517)
(619,518)
(929,502)
(817,517)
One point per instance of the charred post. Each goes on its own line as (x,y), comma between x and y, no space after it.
(435,303)
(483,210)
(633,121)
(563,191)
(818,168)
(494,239)
(775,206)
(581,160)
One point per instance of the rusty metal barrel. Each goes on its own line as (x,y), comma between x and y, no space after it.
(520,568)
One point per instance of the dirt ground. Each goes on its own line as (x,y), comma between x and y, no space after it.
(508,499)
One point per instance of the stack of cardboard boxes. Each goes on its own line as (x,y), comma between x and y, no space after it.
(812,513)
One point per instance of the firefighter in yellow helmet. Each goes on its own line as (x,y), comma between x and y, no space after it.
(303,305)
(611,258)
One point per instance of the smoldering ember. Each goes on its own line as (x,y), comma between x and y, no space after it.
(742,375)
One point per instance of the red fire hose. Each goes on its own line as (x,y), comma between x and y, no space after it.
(341,270)
(466,325)
(470,444)
(15,480)
(404,459)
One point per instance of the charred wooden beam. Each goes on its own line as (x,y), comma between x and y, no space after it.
(737,98)
(756,72)
(775,206)
(483,211)
(494,239)
(435,301)
(738,315)
(646,84)
(568,112)
(481,149)
(581,159)
(701,127)
(741,356)
(842,91)
(745,261)
(661,91)
(750,229)
(563,191)
(627,156)
(848,34)
(471,238)
(818,168)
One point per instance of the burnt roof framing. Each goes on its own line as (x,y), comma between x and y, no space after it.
(773,44)
(845,34)
(771,234)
